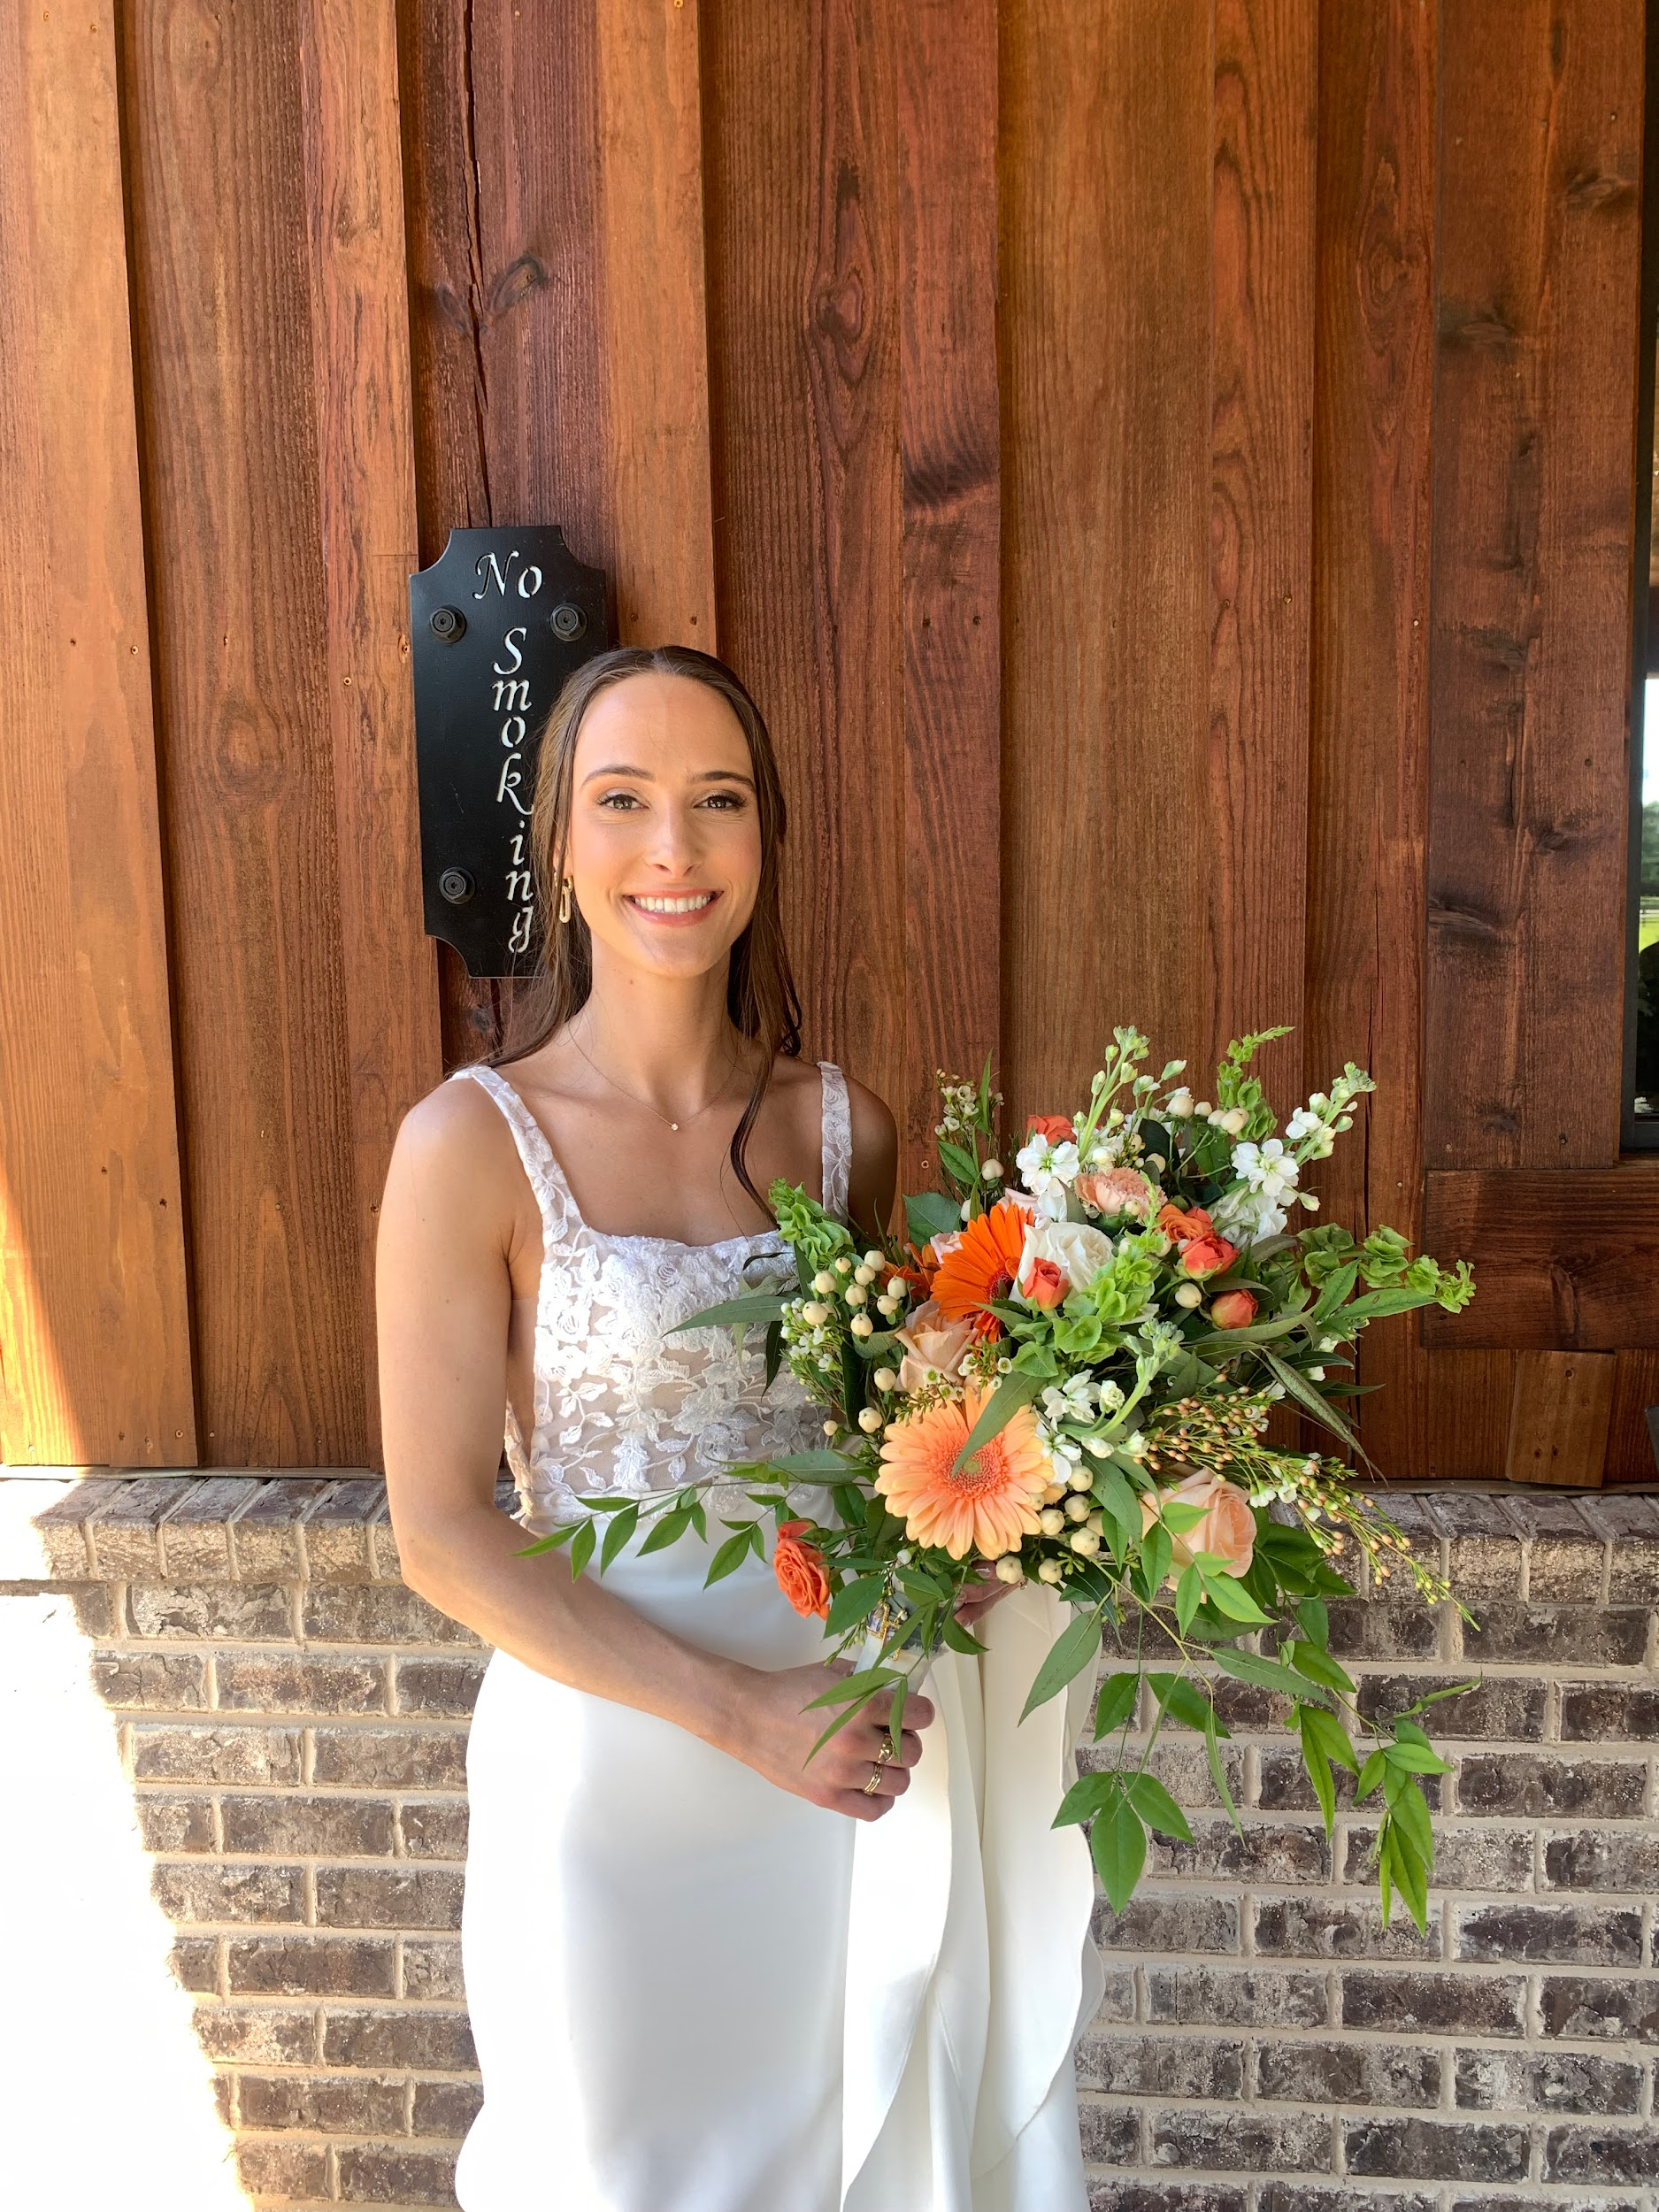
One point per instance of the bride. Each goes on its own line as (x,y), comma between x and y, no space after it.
(704,1974)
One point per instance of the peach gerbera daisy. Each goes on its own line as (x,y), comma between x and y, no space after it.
(990,1504)
(983,1263)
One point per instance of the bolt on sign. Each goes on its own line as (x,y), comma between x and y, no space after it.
(496,625)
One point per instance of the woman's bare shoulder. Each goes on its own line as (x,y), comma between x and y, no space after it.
(454,1145)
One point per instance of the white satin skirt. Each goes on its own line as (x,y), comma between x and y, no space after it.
(693,1991)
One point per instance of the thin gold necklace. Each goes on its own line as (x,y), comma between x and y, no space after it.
(622,1090)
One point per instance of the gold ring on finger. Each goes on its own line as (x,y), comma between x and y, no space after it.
(884,1751)
(875,1782)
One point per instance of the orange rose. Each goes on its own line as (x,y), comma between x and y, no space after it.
(1233,1309)
(800,1571)
(1044,1284)
(932,1340)
(1227,1530)
(1208,1255)
(1052,1128)
(1183,1226)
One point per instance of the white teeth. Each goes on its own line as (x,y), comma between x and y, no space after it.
(691,905)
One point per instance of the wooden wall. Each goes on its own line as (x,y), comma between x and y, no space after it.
(1166,470)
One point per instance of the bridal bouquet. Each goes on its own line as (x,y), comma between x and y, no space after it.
(1066,1369)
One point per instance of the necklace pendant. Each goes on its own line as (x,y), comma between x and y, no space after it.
(673,1125)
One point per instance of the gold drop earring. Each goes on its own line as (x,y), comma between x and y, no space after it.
(564,901)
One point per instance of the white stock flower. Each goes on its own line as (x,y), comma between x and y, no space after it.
(1267,1168)
(1044,1163)
(1302,1124)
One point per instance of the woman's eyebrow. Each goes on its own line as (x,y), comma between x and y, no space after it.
(643,775)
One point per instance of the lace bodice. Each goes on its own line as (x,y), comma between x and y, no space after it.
(620,1406)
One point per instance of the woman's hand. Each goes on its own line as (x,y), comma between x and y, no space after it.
(775,1732)
(979,1595)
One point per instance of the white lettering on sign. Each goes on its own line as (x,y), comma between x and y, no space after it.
(512,730)
(509,645)
(518,848)
(514,697)
(519,884)
(526,589)
(510,780)
(520,940)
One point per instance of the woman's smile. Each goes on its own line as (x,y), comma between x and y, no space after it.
(671,907)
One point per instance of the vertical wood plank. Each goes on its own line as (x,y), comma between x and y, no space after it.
(949,448)
(500,110)
(1107,177)
(1368,766)
(1261,518)
(1534,438)
(655,329)
(94,1316)
(360,327)
(238,592)
(801,179)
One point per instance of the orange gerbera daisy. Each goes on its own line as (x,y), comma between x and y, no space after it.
(981,1266)
(990,1504)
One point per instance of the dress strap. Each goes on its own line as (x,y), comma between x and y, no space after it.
(554,1202)
(838,1139)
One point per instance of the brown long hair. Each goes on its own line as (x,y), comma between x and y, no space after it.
(760,993)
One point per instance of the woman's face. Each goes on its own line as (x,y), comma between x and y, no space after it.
(664,840)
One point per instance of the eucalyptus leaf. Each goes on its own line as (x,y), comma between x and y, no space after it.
(1118,1843)
(754,1308)
(1075,1648)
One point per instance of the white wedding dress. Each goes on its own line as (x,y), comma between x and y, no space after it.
(692,1992)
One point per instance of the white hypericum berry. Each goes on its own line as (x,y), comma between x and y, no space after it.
(843,1266)
(824,1283)
(990,1170)
(873,1259)
(870,1420)
(1084,1540)
(1009,1568)
(887,1308)
(856,1294)
(863,1326)
(1189,1295)
(1179,1105)
(884,1379)
(1051,1571)
(1077,1506)
(1235,1121)
(814,1314)
(966,1209)
(1080,1478)
(1201,1111)
(861,1275)
(832,1428)
(1051,1521)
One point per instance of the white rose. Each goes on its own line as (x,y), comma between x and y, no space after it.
(1078,1251)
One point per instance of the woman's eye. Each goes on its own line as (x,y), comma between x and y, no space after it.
(620,802)
(725,801)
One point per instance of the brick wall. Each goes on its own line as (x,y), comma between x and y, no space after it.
(292,1722)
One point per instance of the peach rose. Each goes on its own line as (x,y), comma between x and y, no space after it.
(1052,1128)
(1208,1255)
(800,1571)
(1184,1226)
(1043,1285)
(1233,1309)
(1227,1530)
(1120,1190)
(931,1341)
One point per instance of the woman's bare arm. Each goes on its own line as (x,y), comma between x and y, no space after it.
(444,1296)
